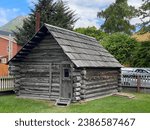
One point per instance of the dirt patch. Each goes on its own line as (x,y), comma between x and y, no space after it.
(128,95)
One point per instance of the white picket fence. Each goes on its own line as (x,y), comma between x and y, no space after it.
(136,80)
(6,83)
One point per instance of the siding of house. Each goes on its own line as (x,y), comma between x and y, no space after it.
(4,43)
(4,47)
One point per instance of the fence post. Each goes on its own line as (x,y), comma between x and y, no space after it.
(138,83)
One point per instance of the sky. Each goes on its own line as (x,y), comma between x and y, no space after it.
(86,10)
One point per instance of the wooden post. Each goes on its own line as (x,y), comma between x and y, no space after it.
(138,83)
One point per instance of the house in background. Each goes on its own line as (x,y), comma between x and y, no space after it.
(4,51)
(62,65)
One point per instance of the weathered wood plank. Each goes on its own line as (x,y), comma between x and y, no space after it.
(35,84)
(89,83)
(98,94)
(99,90)
(101,85)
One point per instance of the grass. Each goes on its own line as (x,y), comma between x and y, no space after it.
(112,104)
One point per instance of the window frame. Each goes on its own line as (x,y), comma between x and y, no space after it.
(69,75)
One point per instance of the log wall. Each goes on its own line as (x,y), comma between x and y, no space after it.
(99,82)
(33,74)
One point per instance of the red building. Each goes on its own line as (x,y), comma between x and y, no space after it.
(4,52)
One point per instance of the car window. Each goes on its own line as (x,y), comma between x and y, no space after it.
(144,71)
(138,70)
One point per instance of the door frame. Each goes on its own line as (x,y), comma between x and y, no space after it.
(61,77)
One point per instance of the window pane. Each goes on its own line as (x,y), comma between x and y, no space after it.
(66,72)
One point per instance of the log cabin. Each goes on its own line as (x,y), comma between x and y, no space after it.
(66,66)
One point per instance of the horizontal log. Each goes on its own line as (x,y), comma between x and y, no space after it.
(83,72)
(98,94)
(76,93)
(22,95)
(76,85)
(36,79)
(37,51)
(35,74)
(14,73)
(77,98)
(89,83)
(83,91)
(35,84)
(101,85)
(55,85)
(34,92)
(76,74)
(83,86)
(49,53)
(54,94)
(55,80)
(34,70)
(33,66)
(17,81)
(77,89)
(18,76)
(76,79)
(17,85)
(14,68)
(98,90)
(35,88)
(50,47)
(55,90)
(48,40)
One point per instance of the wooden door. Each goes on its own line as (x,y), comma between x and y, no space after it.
(66,83)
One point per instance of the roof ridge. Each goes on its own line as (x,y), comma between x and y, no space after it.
(69,31)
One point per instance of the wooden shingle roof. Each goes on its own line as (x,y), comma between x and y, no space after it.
(82,50)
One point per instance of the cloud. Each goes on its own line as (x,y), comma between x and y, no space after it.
(138,21)
(5,14)
(134,3)
(87,11)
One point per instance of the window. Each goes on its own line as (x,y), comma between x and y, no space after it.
(66,73)
(4,60)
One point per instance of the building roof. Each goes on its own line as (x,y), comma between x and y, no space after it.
(5,33)
(7,38)
(82,50)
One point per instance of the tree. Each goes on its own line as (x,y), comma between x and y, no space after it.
(54,13)
(117,17)
(93,32)
(144,14)
(141,55)
(121,46)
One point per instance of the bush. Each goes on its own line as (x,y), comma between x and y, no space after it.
(141,55)
(121,46)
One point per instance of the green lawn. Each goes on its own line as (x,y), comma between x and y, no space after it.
(115,104)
